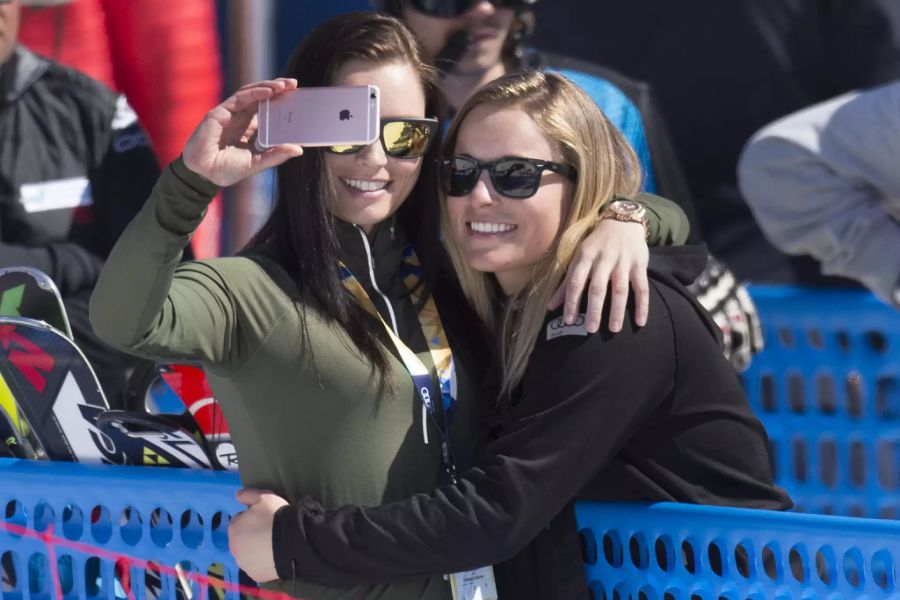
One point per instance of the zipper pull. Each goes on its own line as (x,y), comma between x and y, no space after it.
(392,232)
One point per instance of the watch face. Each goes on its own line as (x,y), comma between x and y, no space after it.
(626,207)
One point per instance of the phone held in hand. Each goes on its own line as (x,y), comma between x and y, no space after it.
(320,116)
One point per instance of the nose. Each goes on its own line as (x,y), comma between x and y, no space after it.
(373,155)
(481,9)
(483,192)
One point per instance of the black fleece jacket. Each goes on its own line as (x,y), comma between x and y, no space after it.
(652,413)
(75,167)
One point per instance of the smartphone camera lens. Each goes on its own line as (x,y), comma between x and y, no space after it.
(372,96)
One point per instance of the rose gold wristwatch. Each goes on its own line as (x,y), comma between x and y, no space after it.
(627,211)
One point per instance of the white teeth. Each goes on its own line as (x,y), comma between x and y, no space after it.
(365,186)
(491,227)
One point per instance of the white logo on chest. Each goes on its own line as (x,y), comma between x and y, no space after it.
(56,195)
(558,328)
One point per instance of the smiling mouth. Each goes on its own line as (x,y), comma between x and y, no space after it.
(483,35)
(481,227)
(363,185)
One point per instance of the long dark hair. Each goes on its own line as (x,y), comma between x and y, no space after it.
(300,232)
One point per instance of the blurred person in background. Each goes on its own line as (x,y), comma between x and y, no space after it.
(476,41)
(163,56)
(825,182)
(723,70)
(75,167)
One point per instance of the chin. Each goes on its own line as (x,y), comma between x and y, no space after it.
(366,213)
(370,217)
(484,262)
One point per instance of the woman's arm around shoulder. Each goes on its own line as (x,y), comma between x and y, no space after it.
(614,256)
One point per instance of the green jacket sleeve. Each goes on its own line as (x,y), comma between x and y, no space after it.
(668,225)
(146,302)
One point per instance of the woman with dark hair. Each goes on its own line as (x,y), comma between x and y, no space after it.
(653,413)
(328,341)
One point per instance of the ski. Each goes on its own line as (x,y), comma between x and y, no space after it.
(51,381)
(181,391)
(13,444)
(155,440)
(30,293)
(190,384)
(9,439)
(59,398)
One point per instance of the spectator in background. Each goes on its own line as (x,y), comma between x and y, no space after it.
(476,41)
(164,56)
(721,71)
(825,182)
(75,167)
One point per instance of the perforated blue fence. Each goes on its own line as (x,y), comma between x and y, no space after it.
(644,552)
(175,518)
(827,388)
(686,552)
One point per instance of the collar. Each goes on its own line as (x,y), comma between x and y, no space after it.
(385,247)
(19,73)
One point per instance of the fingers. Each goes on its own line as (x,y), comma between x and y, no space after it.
(272,157)
(597,295)
(247,96)
(641,288)
(576,276)
(289,83)
(250,496)
(619,300)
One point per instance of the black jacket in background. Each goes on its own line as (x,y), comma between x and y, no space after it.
(655,413)
(721,70)
(75,167)
(57,124)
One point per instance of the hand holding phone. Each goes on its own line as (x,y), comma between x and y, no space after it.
(218,148)
(320,116)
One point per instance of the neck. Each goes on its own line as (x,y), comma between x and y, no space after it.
(513,281)
(459,86)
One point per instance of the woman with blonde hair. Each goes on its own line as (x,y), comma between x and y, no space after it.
(652,413)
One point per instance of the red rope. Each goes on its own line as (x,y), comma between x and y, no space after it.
(203,581)
(47,538)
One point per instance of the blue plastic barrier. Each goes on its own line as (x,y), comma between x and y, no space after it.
(167,516)
(827,388)
(687,552)
(643,552)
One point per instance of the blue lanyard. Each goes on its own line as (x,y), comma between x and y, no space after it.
(421,376)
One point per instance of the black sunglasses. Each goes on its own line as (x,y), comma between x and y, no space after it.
(454,8)
(400,138)
(512,176)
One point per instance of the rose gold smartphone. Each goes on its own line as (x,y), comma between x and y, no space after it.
(320,116)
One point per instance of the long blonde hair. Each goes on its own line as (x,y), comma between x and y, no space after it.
(607,167)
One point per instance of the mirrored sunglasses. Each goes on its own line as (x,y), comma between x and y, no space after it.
(400,138)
